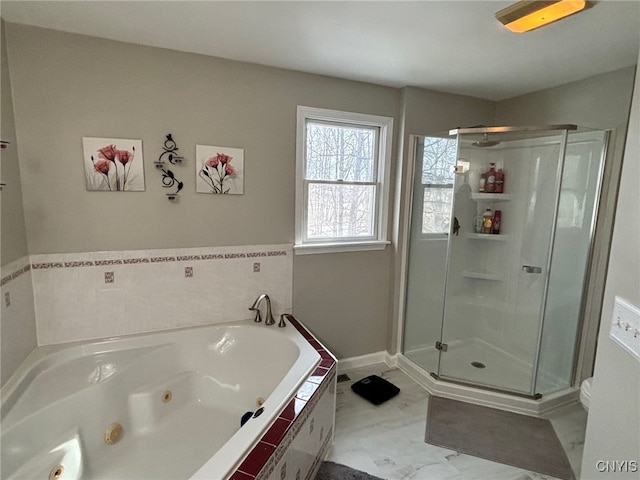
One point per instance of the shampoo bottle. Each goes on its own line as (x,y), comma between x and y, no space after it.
(490,182)
(499,181)
(487,221)
(497,220)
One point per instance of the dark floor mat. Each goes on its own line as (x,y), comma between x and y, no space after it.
(505,437)
(375,389)
(335,471)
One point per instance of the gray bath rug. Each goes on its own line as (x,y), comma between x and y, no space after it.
(335,471)
(504,437)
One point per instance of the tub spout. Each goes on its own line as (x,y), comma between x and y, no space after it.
(256,308)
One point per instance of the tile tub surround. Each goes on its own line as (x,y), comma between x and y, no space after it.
(91,295)
(297,442)
(18,323)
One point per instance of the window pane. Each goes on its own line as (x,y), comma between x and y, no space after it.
(438,160)
(436,209)
(335,211)
(340,153)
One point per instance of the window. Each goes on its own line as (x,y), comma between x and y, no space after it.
(341,180)
(438,162)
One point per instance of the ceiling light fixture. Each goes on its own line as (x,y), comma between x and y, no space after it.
(527,15)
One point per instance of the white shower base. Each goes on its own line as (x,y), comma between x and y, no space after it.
(502,370)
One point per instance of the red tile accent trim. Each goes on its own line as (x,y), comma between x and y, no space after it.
(318,375)
(241,476)
(276,433)
(293,409)
(257,458)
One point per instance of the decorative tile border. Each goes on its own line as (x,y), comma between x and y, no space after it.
(135,259)
(15,270)
(272,446)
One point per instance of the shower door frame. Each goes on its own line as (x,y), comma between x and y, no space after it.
(562,131)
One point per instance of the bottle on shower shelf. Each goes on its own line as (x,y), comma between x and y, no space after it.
(482,182)
(500,181)
(496,221)
(490,179)
(487,221)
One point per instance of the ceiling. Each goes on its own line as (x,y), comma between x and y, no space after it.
(451,46)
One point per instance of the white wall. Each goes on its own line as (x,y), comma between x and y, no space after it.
(613,427)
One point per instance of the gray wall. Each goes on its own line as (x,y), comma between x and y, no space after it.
(613,431)
(17,318)
(70,86)
(13,239)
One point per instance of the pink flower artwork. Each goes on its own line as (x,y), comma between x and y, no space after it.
(219,170)
(113,164)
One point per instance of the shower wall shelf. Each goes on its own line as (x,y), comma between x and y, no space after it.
(490,197)
(482,276)
(487,237)
(477,302)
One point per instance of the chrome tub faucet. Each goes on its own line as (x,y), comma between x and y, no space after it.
(256,308)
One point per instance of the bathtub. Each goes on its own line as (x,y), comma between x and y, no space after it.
(162,405)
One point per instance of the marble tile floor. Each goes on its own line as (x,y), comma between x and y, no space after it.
(388,440)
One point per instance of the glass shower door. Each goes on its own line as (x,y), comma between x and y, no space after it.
(496,282)
(435,158)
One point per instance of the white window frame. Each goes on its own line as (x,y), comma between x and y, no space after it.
(382,181)
(424,186)
(433,235)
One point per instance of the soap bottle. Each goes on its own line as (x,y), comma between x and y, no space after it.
(490,182)
(499,181)
(487,221)
(482,183)
(497,220)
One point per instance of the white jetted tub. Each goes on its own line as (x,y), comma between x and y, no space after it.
(160,405)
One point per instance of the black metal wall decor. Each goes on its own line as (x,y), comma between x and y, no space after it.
(3,146)
(169,180)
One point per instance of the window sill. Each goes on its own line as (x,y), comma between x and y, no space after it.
(314,248)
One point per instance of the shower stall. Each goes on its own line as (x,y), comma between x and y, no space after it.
(499,250)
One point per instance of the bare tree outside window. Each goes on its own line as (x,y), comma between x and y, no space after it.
(341,174)
(438,162)
(343,171)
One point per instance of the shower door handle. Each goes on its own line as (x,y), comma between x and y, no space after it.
(531,269)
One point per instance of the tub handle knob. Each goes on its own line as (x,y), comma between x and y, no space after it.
(258,317)
(282,323)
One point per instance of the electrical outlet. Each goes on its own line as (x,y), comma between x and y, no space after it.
(625,326)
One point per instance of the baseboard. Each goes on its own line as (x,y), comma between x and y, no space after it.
(366,360)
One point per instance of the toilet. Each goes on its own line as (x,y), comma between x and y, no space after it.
(585,393)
